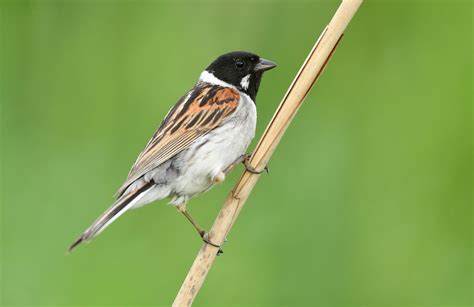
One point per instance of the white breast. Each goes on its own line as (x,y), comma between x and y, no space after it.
(213,152)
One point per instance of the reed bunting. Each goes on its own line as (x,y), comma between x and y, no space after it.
(201,138)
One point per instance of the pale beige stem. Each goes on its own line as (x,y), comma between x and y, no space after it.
(301,85)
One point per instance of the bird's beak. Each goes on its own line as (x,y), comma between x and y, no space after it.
(264,65)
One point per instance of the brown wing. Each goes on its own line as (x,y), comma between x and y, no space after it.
(204,108)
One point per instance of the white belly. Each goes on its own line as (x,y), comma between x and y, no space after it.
(213,152)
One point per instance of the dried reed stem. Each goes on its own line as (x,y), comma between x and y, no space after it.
(299,88)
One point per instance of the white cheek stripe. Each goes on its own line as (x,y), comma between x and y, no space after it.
(244,83)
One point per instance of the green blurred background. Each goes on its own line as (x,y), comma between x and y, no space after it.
(369,198)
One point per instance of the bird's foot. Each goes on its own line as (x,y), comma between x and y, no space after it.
(251,169)
(205,238)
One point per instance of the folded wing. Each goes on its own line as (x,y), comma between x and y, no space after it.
(203,109)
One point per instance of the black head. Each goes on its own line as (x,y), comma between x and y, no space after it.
(241,69)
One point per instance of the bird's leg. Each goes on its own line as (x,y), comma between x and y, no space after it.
(245,160)
(220,177)
(239,160)
(202,233)
(251,169)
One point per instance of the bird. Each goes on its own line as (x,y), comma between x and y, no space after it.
(203,136)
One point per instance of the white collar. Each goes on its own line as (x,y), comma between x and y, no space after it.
(208,77)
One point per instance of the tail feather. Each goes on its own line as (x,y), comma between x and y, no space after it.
(120,206)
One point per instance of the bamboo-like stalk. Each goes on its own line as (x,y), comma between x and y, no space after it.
(299,88)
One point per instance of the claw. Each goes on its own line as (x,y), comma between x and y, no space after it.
(205,238)
(251,169)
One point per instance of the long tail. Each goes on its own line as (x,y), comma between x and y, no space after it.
(120,206)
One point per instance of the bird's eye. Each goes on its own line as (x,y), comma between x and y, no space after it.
(239,64)
(253,59)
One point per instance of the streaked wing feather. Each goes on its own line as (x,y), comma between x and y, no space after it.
(203,109)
